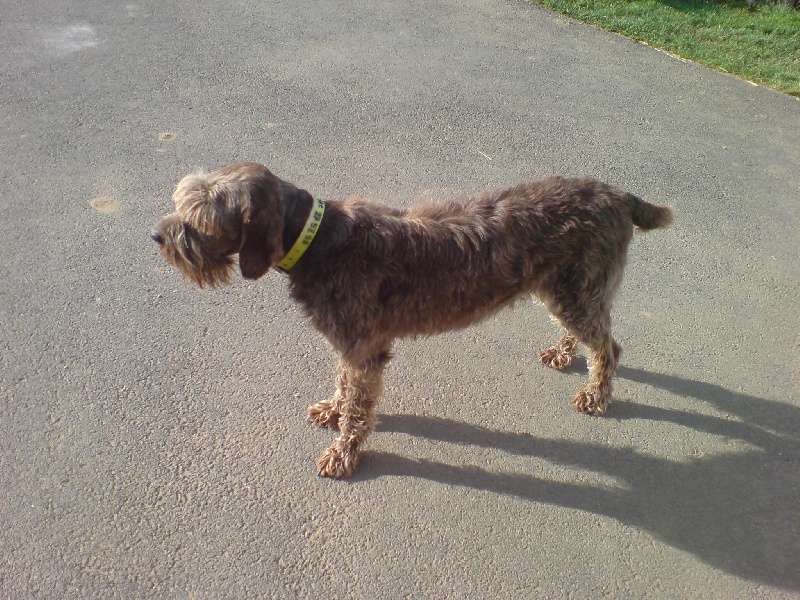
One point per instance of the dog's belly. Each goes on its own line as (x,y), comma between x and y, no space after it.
(427,310)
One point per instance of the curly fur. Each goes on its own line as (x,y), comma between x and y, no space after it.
(376,273)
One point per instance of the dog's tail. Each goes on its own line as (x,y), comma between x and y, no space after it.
(648,216)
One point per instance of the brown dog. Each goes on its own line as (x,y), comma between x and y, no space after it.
(366,273)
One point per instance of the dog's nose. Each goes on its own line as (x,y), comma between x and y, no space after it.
(157,237)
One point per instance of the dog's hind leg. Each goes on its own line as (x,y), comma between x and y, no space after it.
(603,359)
(594,330)
(361,385)
(561,354)
(590,325)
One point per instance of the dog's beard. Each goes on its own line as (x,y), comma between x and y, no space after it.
(196,263)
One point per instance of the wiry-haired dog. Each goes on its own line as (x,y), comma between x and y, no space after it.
(366,273)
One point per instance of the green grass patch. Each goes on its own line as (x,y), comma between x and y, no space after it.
(759,42)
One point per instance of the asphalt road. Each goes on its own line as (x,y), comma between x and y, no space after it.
(153,441)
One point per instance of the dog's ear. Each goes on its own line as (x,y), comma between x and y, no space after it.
(263,225)
(262,244)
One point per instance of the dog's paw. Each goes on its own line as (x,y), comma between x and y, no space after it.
(590,403)
(555,357)
(324,414)
(338,461)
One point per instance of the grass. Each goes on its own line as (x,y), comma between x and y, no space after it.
(760,43)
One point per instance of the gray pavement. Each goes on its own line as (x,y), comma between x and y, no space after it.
(153,441)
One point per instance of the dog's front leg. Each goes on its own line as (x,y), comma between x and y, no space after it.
(326,413)
(359,389)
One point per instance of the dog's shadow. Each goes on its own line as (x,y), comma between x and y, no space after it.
(738,511)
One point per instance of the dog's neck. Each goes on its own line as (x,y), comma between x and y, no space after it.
(302,220)
(287,218)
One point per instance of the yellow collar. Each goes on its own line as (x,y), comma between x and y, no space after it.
(306,236)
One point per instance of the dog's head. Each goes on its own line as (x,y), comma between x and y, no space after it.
(238,209)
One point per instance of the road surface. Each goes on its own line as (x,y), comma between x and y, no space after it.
(153,441)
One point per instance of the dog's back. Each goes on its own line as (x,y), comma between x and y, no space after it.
(512,231)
